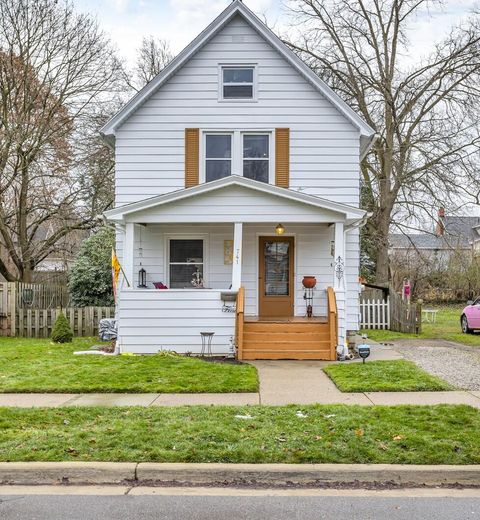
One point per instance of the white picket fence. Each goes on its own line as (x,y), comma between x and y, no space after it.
(375,314)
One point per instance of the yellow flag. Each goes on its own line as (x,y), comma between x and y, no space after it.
(115,273)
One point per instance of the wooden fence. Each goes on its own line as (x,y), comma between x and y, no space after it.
(392,314)
(375,313)
(40,296)
(22,315)
(405,317)
(38,323)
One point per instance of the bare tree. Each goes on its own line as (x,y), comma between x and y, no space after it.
(153,55)
(423,109)
(56,72)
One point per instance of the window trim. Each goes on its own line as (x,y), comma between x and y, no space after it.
(186,236)
(254,98)
(237,150)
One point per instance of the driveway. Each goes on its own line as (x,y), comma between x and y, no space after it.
(457,364)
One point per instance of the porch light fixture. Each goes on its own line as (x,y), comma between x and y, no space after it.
(142,278)
(279,230)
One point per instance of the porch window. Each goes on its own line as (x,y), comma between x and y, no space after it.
(256,154)
(238,83)
(185,262)
(218,156)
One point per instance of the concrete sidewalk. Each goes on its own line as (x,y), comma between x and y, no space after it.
(316,389)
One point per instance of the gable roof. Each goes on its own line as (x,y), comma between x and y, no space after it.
(345,212)
(237,7)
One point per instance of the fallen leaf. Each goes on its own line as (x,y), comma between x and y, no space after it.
(280,439)
(359,432)
(71,450)
(398,437)
(318,437)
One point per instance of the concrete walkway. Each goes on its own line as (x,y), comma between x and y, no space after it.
(281,383)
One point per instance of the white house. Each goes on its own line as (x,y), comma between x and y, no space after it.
(237,174)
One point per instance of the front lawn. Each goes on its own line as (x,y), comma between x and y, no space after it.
(447,327)
(383,376)
(38,365)
(441,434)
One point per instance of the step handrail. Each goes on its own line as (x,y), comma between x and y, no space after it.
(239,322)
(332,321)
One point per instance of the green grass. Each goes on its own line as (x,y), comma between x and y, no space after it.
(37,365)
(447,327)
(442,434)
(383,376)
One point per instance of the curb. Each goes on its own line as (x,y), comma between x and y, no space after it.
(33,473)
(48,473)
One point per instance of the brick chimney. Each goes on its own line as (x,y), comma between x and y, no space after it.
(440,230)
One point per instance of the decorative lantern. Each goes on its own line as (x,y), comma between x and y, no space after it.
(142,278)
(279,230)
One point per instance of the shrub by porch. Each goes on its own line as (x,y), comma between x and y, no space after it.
(38,365)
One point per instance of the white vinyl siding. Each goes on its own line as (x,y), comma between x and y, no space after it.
(324,145)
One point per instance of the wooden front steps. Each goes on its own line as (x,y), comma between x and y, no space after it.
(300,338)
(286,338)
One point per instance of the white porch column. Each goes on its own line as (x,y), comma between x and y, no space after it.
(339,275)
(128,253)
(237,256)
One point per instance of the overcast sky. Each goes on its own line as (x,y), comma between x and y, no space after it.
(179,21)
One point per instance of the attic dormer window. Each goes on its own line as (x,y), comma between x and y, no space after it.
(237,83)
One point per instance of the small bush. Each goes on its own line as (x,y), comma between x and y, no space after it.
(62,333)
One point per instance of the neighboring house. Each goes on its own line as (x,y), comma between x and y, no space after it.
(237,167)
(451,234)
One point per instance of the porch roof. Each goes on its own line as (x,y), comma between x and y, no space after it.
(235,199)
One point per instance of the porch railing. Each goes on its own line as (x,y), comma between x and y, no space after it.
(332,321)
(239,322)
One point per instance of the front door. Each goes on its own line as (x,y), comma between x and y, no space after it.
(276,277)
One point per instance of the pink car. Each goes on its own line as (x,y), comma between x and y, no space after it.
(470,319)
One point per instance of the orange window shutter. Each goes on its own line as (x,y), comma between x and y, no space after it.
(192,152)
(282,157)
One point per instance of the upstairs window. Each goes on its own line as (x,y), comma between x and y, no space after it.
(218,156)
(256,156)
(237,83)
(246,153)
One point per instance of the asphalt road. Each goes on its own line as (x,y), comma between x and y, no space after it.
(208,507)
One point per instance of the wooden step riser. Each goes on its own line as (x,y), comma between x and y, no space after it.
(296,337)
(320,355)
(286,345)
(286,327)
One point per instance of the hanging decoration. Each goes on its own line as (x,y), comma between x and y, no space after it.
(339,267)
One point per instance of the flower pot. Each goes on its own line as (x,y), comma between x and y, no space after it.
(309,282)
